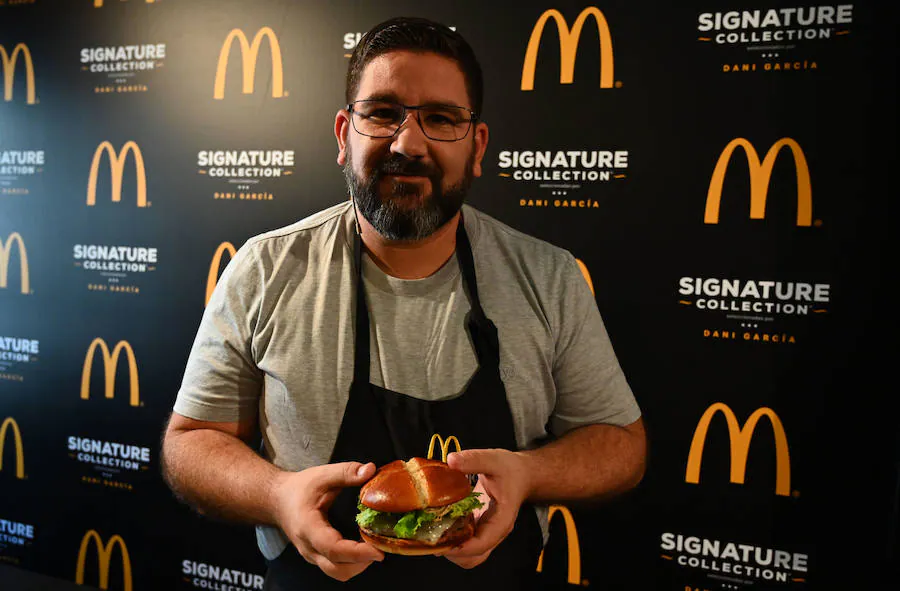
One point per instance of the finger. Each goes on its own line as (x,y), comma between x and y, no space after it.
(495,524)
(473,461)
(327,499)
(341,572)
(343,474)
(328,542)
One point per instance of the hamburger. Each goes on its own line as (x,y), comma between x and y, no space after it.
(417,507)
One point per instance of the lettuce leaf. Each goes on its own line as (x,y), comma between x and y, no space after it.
(466,505)
(405,525)
(410,523)
(367,517)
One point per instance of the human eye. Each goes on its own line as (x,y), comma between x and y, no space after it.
(381,112)
(446,117)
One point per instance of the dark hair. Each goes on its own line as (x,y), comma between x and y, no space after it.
(416,34)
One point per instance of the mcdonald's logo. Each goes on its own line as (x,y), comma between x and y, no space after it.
(117,171)
(9,61)
(110,363)
(740,446)
(760,175)
(249,55)
(213,275)
(574,548)
(10,423)
(443,444)
(586,273)
(104,554)
(5,251)
(568,47)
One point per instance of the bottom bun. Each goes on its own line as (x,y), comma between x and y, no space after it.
(459,533)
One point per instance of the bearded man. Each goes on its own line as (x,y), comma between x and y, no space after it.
(349,338)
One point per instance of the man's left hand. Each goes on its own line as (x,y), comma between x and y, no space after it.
(503,477)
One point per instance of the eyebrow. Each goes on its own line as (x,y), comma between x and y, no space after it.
(393,98)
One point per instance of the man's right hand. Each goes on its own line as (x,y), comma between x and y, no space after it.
(301,502)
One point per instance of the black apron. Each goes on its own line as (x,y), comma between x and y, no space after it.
(382,426)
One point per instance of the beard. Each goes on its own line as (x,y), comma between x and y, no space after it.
(405,213)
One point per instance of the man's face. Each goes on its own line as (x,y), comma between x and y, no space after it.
(407,186)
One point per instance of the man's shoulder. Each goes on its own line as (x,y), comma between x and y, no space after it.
(513,263)
(326,222)
(488,230)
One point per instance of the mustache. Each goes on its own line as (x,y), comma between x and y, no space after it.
(398,164)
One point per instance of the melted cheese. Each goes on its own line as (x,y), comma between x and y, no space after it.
(431,532)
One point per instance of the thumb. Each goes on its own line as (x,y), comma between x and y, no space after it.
(471,461)
(344,474)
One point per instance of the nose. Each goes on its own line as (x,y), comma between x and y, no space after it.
(410,140)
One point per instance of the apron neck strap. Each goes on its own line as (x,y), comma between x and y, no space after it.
(361,350)
(467,268)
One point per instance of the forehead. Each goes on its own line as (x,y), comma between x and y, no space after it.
(414,78)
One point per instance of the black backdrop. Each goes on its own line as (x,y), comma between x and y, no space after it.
(675,92)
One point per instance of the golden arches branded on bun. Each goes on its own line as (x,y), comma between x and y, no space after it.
(417,507)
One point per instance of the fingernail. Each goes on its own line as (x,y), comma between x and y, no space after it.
(361,469)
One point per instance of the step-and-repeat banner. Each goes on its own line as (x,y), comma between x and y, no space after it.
(719,167)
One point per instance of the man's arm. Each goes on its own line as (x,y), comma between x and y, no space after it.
(590,463)
(211,467)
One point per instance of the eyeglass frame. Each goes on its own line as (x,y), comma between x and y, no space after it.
(473,118)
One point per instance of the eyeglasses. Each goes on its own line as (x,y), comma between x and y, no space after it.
(383,119)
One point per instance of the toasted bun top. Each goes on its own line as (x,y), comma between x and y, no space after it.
(401,486)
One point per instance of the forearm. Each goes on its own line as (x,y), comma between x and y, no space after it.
(219,475)
(589,463)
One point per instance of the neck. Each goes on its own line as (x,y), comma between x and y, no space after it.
(413,259)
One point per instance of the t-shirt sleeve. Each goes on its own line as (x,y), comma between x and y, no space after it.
(221,380)
(590,385)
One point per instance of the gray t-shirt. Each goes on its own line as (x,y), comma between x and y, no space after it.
(277,338)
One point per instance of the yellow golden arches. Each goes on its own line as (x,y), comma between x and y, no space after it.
(739,439)
(104,554)
(8,64)
(444,446)
(110,362)
(212,276)
(760,175)
(568,47)
(249,55)
(574,547)
(117,171)
(5,251)
(10,423)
